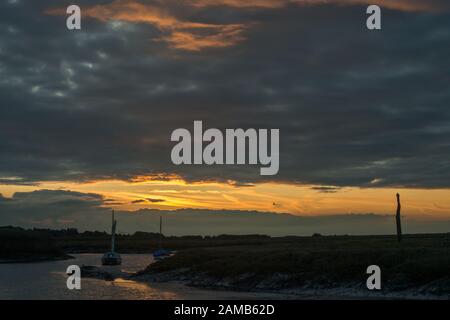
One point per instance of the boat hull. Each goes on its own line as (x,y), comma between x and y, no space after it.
(162,254)
(111,259)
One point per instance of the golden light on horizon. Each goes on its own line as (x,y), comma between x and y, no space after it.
(174,193)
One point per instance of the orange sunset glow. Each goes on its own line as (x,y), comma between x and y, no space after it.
(273,197)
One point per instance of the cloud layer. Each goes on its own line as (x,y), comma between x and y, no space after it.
(354,108)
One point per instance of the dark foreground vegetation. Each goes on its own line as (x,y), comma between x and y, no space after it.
(37,244)
(421,263)
(19,245)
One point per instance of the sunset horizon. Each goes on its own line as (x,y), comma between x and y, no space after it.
(246,151)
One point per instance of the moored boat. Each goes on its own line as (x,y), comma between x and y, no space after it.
(112,258)
(161,253)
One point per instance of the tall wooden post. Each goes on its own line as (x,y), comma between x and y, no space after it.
(398,220)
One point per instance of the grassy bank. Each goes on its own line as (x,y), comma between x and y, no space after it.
(421,261)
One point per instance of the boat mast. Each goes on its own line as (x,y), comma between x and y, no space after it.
(113,233)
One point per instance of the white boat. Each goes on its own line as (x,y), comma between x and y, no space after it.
(112,258)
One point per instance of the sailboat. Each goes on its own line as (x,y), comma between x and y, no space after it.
(161,253)
(112,258)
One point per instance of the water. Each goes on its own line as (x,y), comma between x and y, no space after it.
(47,280)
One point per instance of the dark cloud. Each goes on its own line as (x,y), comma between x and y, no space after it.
(52,208)
(354,107)
(139,201)
(326,189)
(151,200)
(64,209)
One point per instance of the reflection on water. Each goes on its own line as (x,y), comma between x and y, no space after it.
(47,280)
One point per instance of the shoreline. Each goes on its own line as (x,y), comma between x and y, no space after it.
(348,291)
(198,284)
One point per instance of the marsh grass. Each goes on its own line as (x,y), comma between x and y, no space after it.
(419,260)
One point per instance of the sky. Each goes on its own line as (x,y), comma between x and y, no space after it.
(86,115)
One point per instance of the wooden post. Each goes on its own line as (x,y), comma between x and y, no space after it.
(398,220)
